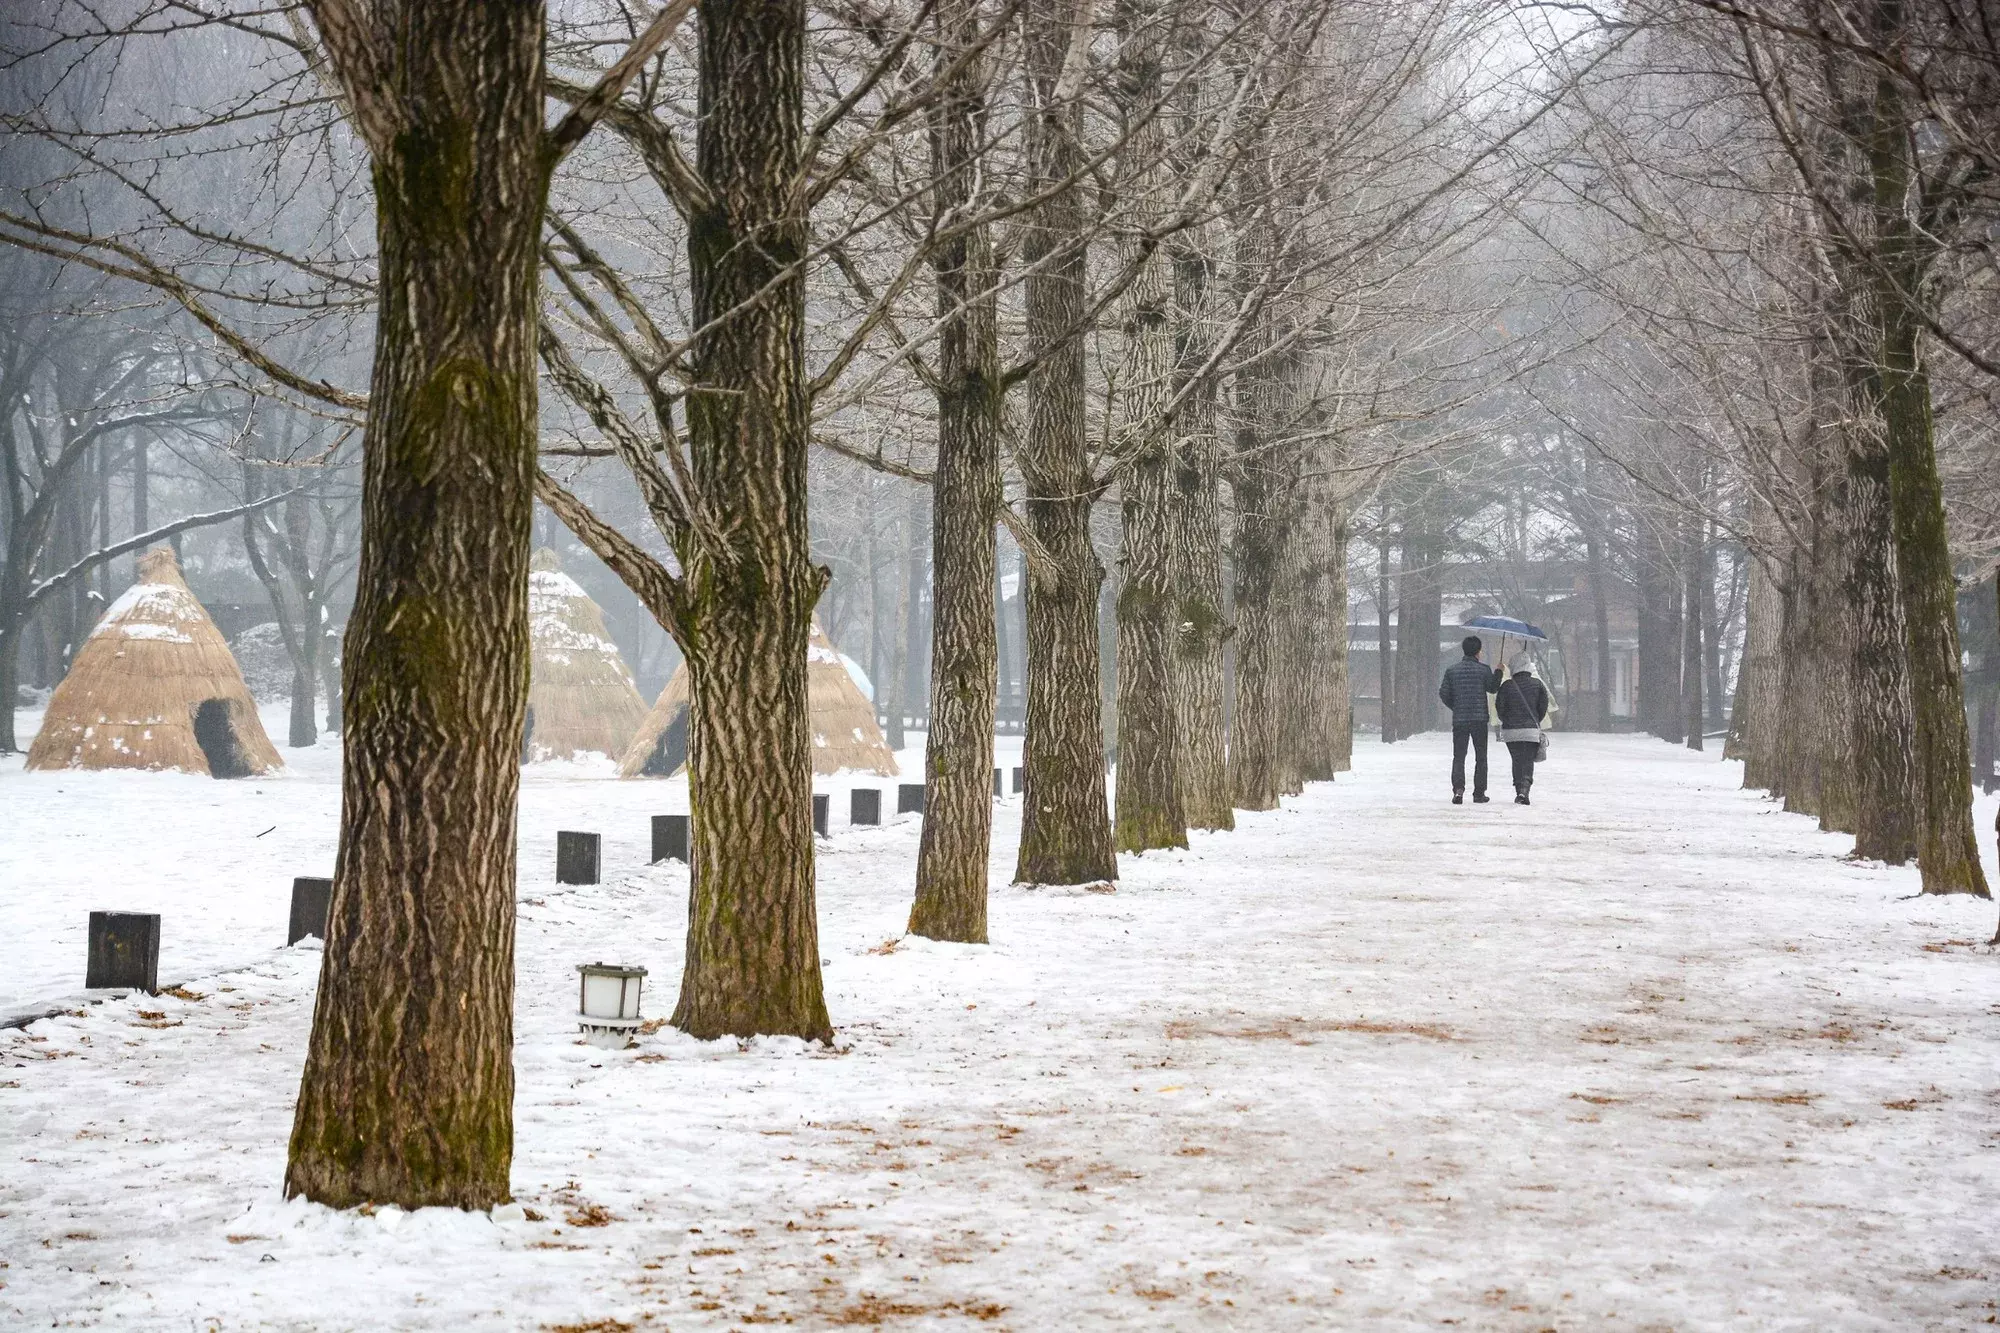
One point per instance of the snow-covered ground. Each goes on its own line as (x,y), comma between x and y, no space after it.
(1647,1054)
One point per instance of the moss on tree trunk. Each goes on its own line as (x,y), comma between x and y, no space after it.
(407,1095)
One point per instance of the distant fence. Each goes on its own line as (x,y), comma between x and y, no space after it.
(1009,719)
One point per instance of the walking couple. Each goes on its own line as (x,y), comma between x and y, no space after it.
(1523,705)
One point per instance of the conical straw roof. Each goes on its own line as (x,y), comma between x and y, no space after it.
(155,686)
(581,699)
(845,735)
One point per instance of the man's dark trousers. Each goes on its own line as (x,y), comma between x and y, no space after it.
(1475,732)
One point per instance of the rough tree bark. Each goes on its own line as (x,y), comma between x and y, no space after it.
(1828,635)
(1149,810)
(1066,821)
(1307,690)
(1881,743)
(407,1095)
(1694,600)
(1261,488)
(1601,597)
(1202,628)
(1339,681)
(958,805)
(1754,727)
(1947,846)
(1262,484)
(750,584)
(1385,646)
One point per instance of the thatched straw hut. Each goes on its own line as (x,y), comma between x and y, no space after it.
(845,736)
(154,686)
(581,698)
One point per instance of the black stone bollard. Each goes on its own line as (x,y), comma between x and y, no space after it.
(310,898)
(910,798)
(997,793)
(124,951)
(578,856)
(670,838)
(822,812)
(1020,778)
(864,806)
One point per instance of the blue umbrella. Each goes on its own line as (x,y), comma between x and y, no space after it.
(1506,627)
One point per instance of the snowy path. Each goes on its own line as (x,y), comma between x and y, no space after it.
(1337,1069)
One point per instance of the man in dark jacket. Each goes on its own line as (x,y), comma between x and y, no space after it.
(1464,689)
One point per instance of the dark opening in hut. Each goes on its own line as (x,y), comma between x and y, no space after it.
(215,732)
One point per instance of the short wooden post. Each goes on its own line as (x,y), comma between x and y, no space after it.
(864,806)
(997,793)
(670,838)
(310,898)
(1020,778)
(578,856)
(822,812)
(124,951)
(910,798)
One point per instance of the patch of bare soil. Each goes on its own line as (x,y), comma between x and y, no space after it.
(1295,1029)
(874,1311)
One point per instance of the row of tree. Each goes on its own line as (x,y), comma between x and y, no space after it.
(1198,290)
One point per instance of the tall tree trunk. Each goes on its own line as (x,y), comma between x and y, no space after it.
(1600,617)
(1658,687)
(1802,685)
(1947,847)
(1831,631)
(1419,614)
(330,667)
(1066,820)
(1882,741)
(1340,688)
(1694,616)
(10,681)
(958,804)
(1986,684)
(1107,653)
(1149,811)
(407,1095)
(301,640)
(1313,634)
(753,935)
(1259,482)
(302,730)
(1984,748)
(1385,645)
(1202,627)
(1758,715)
(915,684)
(1300,587)
(1715,621)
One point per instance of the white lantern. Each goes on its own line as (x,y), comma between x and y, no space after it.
(608,1003)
